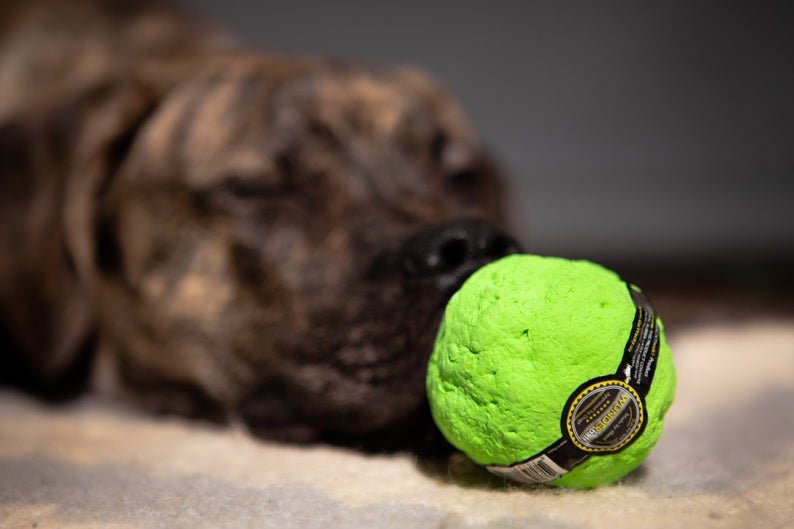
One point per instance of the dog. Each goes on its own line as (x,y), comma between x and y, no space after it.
(201,229)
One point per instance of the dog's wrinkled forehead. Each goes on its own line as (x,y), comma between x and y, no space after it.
(240,116)
(382,104)
(394,128)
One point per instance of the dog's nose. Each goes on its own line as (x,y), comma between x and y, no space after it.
(449,253)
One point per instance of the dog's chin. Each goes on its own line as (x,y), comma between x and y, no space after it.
(366,390)
(394,413)
(411,427)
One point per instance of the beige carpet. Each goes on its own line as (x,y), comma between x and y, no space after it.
(726,460)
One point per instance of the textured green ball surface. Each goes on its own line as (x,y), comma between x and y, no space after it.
(516,340)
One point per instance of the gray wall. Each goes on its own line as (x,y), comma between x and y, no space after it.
(631,132)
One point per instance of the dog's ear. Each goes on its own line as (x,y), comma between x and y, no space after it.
(107,130)
(74,152)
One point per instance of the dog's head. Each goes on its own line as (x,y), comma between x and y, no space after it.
(280,240)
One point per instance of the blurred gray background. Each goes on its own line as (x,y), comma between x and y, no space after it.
(630,133)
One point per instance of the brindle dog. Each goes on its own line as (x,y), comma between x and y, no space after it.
(227,234)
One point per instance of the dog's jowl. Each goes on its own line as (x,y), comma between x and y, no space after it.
(200,229)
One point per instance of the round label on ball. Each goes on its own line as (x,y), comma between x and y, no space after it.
(604,416)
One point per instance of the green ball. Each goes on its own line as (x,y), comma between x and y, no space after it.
(532,353)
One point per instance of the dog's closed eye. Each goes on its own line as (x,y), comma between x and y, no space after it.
(265,181)
(251,187)
(259,192)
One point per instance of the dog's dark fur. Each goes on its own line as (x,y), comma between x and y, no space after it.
(227,234)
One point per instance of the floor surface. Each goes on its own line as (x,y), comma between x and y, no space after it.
(726,460)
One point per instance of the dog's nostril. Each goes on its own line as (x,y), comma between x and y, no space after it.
(452,254)
(448,253)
